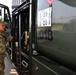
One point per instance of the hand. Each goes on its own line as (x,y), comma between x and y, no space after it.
(9,38)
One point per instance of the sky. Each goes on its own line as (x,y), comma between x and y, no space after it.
(8,3)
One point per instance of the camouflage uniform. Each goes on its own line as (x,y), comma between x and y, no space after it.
(2,54)
(3,42)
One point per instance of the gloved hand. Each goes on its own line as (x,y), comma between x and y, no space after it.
(9,38)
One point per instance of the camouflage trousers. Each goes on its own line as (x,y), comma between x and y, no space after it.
(2,65)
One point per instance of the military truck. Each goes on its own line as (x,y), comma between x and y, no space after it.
(55,40)
(44,37)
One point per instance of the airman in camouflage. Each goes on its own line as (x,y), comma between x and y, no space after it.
(3,41)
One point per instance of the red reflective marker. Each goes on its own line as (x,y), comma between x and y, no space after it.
(50,1)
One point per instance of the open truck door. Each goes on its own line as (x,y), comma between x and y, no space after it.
(56,34)
(6,18)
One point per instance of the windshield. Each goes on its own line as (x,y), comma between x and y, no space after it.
(4,14)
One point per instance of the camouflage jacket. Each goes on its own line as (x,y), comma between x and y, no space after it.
(2,44)
(3,41)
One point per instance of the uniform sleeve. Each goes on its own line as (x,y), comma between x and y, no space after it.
(9,38)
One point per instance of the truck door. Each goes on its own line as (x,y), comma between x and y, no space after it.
(6,18)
